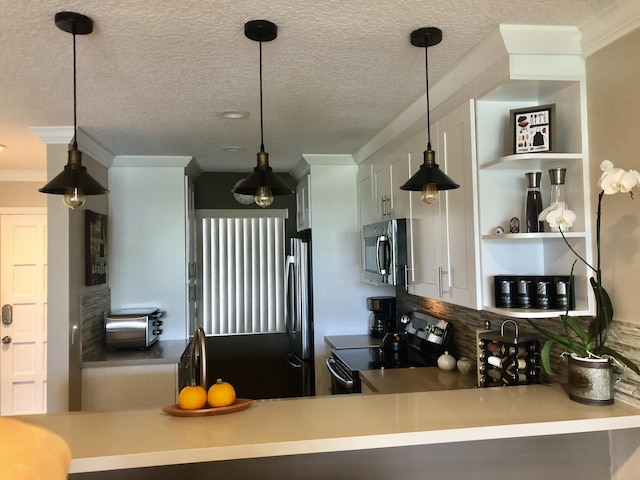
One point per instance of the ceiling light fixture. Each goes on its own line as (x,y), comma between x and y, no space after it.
(234,114)
(74,182)
(263,184)
(429,179)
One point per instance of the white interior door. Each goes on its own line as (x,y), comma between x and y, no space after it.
(23,330)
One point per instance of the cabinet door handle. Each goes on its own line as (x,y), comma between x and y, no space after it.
(406,277)
(441,272)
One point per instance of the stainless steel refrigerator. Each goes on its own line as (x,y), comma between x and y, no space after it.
(299,315)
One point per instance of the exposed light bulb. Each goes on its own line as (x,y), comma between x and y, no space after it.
(429,193)
(264,197)
(73,197)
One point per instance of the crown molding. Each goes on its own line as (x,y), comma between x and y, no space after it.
(53,135)
(86,144)
(90,147)
(619,19)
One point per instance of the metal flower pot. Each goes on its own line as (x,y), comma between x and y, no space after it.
(590,380)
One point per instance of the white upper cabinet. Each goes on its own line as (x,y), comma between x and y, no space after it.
(366,205)
(389,173)
(445,250)
(303,216)
(454,250)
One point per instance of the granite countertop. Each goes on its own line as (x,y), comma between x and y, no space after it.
(103,441)
(163,351)
(352,341)
(419,379)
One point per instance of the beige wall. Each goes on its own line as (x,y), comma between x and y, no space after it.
(22,194)
(613,89)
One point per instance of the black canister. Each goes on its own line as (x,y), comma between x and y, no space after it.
(561,299)
(541,299)
(505,290)
(523,294)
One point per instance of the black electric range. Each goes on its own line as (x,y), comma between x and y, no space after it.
(426,339)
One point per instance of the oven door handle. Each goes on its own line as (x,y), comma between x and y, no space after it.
(347,383)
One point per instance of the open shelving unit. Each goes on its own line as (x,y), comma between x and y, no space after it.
(502,187)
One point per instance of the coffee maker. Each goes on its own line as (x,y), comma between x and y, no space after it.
(383,317)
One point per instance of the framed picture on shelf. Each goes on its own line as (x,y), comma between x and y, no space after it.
(95,248)
(533,129)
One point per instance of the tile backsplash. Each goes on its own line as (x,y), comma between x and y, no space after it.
(93,307)
(623,335)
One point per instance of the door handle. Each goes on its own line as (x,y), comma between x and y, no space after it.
(6,339)
(7,314)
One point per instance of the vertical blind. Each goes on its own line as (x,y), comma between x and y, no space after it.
(241,259)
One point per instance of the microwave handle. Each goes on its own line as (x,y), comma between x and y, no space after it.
(382,254)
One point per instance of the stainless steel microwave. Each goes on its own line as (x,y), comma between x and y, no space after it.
(384,253)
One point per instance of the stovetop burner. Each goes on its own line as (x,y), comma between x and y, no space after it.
(372,358)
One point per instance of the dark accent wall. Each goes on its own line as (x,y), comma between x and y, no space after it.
(213,190)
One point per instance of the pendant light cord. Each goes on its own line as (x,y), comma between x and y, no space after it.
(261,117)
(426,66)
(75,120)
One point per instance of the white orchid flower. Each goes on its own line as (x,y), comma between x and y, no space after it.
(619,181)
(560,218)
(614,180)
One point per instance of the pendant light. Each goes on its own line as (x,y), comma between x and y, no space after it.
(262,183)
(74,182)
(429,179)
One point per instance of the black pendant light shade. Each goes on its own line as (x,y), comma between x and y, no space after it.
(74,175)
(429,173)
(262,176)
(262,183)
(74,182)
(429,179)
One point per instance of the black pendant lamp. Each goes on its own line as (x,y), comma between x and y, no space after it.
(429,179)
(262,183)
(74,182)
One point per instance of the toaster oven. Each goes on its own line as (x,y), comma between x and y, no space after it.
(133,327)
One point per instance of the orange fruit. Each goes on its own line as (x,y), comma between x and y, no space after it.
(221,394)
(192,397)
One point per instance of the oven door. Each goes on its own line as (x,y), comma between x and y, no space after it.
(343,381)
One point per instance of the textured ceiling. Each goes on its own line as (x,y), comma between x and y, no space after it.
(154,75)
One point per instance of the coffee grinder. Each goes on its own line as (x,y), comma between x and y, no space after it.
(383,317)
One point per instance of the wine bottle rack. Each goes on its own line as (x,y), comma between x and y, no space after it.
(505,360)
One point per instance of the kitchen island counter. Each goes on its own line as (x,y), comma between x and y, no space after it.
(161,352)
(102,441)
(419,379)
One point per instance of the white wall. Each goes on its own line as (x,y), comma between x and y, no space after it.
(339,297)
(146,242)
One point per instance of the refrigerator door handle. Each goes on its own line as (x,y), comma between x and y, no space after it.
(288,291)
(297,366)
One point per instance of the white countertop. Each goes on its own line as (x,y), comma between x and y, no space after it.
(352,341)
(419,379)
(161,352)
(117,440)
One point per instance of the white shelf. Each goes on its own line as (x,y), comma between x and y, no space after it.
(529,236)
(533,313)
(530,160)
